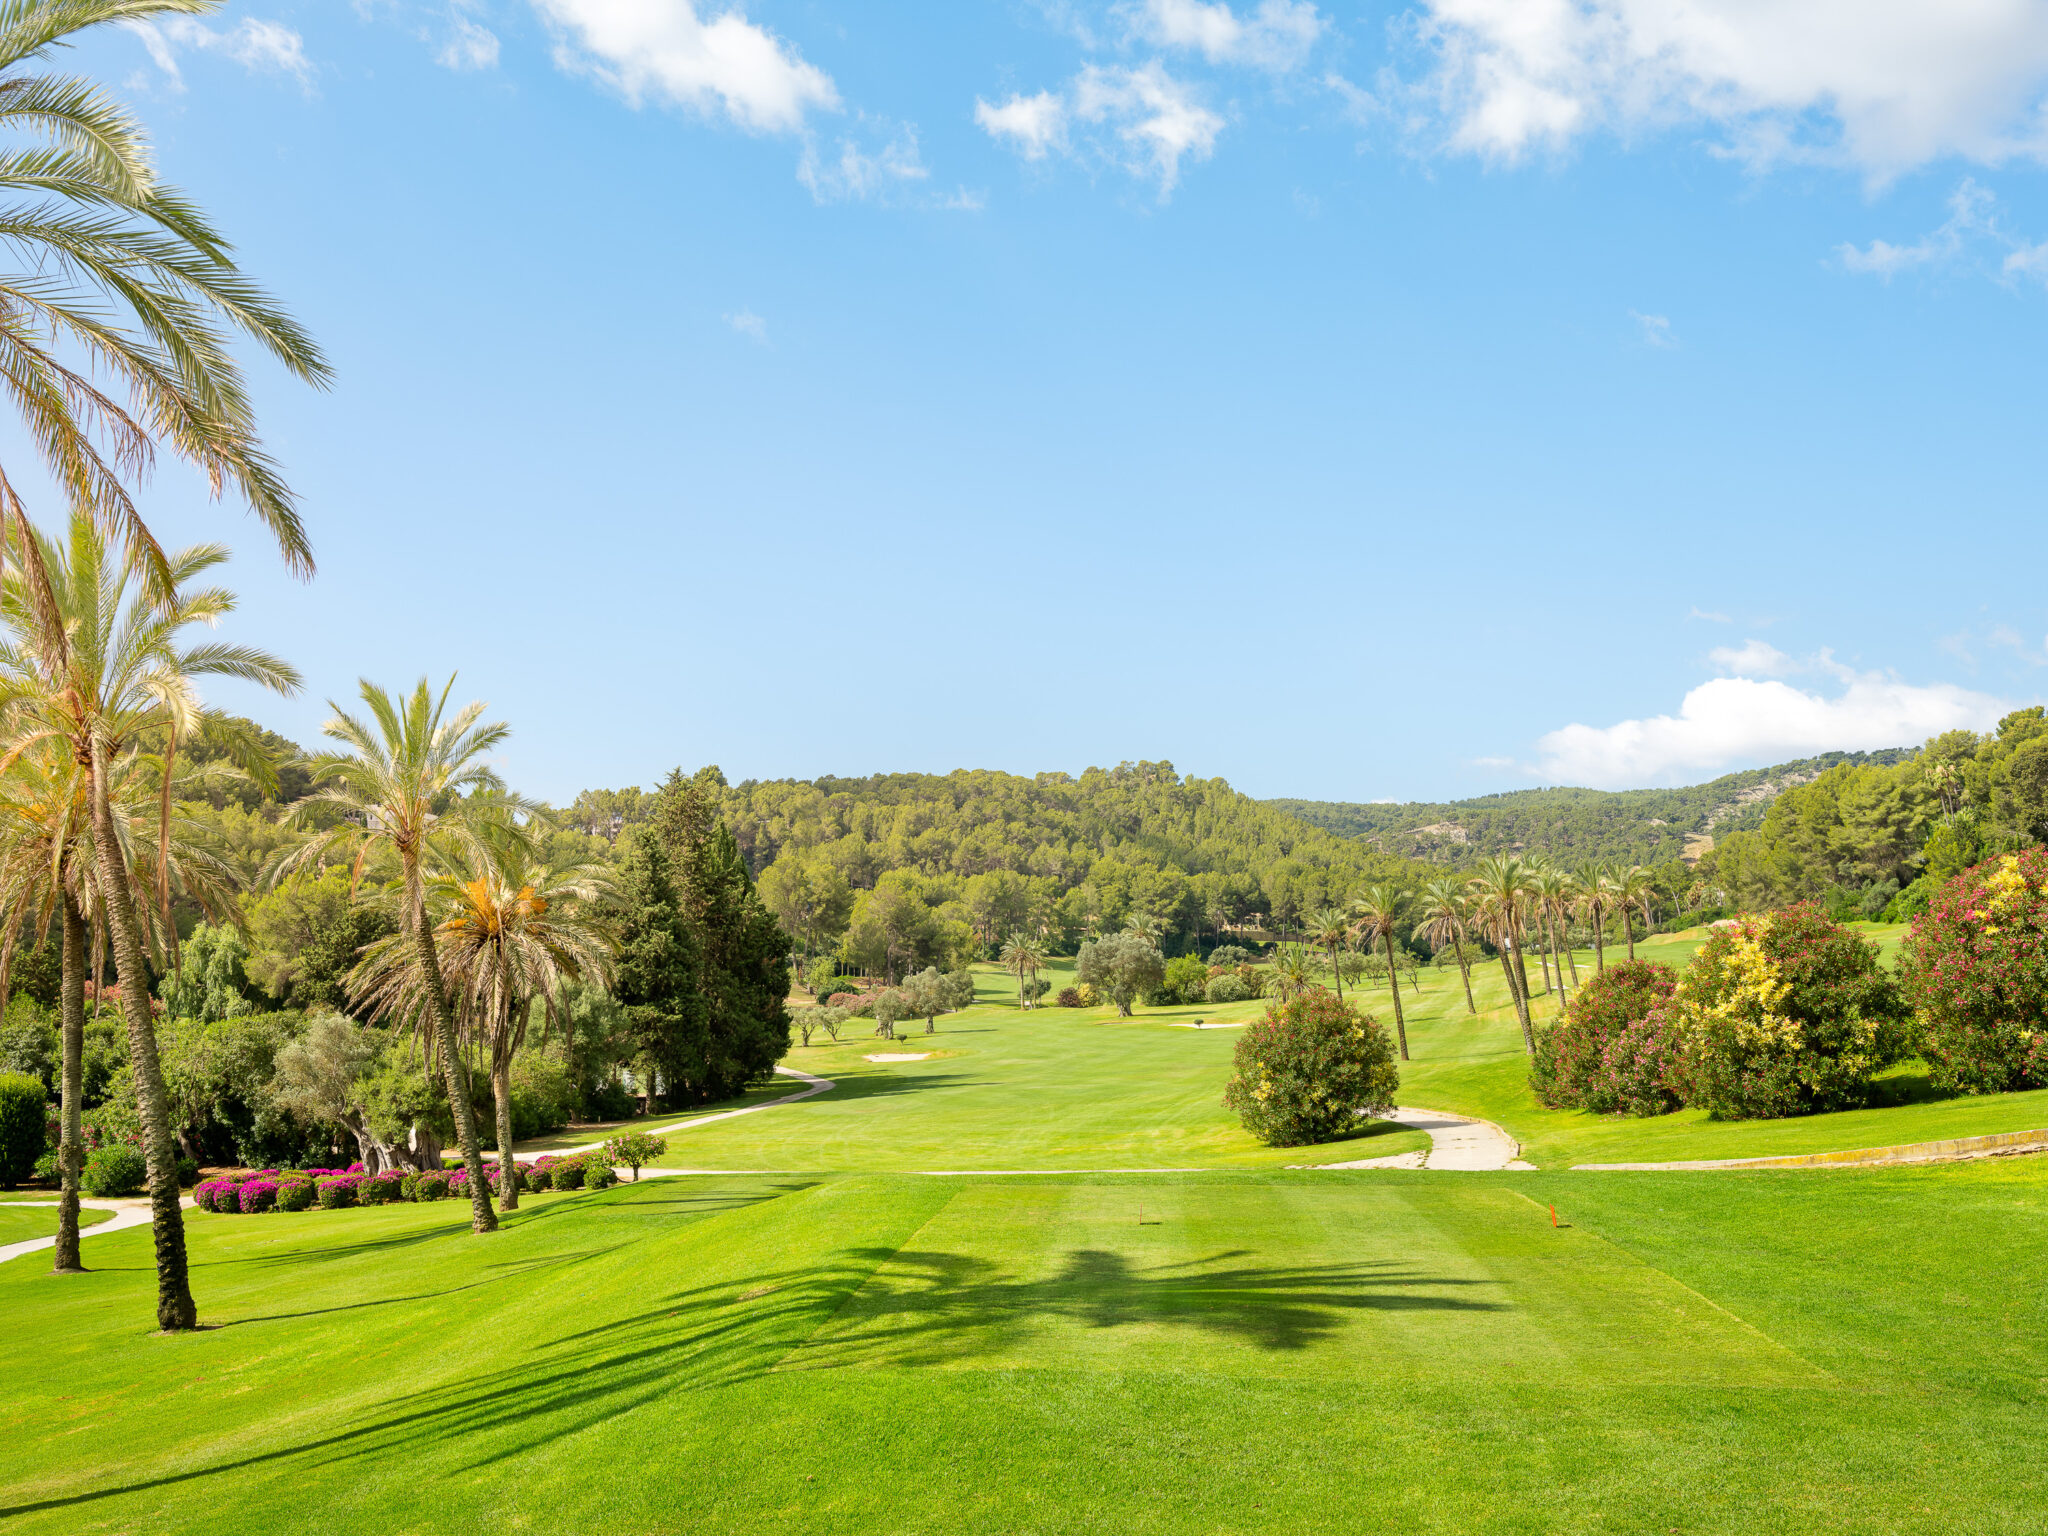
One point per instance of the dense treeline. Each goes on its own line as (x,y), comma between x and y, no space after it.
(1635,826)
(901,871)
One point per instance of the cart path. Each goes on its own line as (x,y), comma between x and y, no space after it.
(1457,1144)
(127,1213)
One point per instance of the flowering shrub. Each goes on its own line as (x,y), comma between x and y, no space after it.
(430,1186)
(256,1195)
(294,1194)
(1976,969)
(635,1150)
(1617,1050)
(380,1189)
(203,1192)
(1067,997)
(538,1177)
(567,1174)
(1787,1014)
(1308,1068)
(600,1176)
(338,1193)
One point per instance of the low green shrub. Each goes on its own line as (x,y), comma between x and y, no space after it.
(1308,1069)
(24,1126)
(568,1175)
(1069,997)
(113,1171)
(294,1194)
(600,1176)
(1227,988)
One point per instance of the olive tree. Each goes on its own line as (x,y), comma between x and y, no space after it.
(1120,967)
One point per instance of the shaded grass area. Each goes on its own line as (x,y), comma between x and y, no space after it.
(1243,1352)
(20,1223)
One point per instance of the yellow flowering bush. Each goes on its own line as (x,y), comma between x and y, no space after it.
(1307,1070)
(1976,970)
(1787,1014)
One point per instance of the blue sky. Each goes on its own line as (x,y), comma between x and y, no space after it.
(1353,401)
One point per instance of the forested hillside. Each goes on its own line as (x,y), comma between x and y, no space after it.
(1635,826)
(986,854)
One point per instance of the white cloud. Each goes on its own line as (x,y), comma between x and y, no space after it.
(855,174)
(1145,120)
(471,44)
(663,49)
(749,324)
(1970,214)
(1882,85)
(1278,36)
(1752,658)
(1034,124)
(1155,115)
(258,46)
(1749,719)
(1656,329)
(1710,617)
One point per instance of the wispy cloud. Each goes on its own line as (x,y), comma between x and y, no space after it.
(1656,329)
(258,46)
(1711,618)
(1142,119)
(1277,36)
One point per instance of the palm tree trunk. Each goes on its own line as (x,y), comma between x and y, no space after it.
(1543,959)
(1465,970)
(1599,942)
(1628,926)
(1337,975)
(175,1309)
(1564,921)
(482,1218)
(1400,1024)
(501,1095)
(71,1138)
(1518,984)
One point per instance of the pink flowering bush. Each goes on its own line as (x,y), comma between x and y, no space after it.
(256,1195)
(1975,966)
(294,1193)
(1617,1050)
(338,1193)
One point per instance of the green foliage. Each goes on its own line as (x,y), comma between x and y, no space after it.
(600,1176)
(38,973)
(1229,987)
(655,979)
(1309,1068)
(1186,981)
(1975,968)
(1618,1049)
(821,977)
(1230,955)
(1787,1014)
(1574,826)
(31,1042)
(305,936)
(24,1123)
(113,1171)
(635,1150)
(294,1194)
(219,1081)
(210,981)
(1121,967)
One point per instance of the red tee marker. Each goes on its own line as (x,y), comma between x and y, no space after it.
(1553,1215)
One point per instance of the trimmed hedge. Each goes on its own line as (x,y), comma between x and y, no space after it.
(24,1126)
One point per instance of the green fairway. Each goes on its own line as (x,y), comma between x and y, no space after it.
(19,1223)
(1239,1352)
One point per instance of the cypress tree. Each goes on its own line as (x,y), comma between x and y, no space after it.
(656,979)
(743,971)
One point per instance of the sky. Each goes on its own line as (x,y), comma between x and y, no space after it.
(1353,401)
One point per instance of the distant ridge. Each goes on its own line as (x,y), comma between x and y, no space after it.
(1639,826)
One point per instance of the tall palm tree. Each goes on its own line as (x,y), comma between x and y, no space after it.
(1293,970)
(408,778)
(1634,890)
(1374,913)
(121,287)
(514,930)
(1596,901)
(1505,887)
(1443,911)
(1561,900)
(1328,929)
(1553,897)
(92,659)
(1022,958)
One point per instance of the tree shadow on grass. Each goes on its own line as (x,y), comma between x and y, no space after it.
(857,1307)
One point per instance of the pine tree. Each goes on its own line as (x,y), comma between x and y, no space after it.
(743,978)
(657,968)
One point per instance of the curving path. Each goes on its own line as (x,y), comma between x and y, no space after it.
(1457,1144)
(817,1085)
(127,1213)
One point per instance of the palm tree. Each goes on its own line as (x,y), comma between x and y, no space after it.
(406,779)
(1293,970)
(1328,929)
(1633,888)
(515,930)
(1596,902)
(1553,896)
(1505,887)
(1443,922)
(92,660)
(1022,957)
(123,289)
(1374,913)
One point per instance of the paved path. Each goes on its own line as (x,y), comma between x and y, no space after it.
(817,1085)
(127,1213)
(1457,1144)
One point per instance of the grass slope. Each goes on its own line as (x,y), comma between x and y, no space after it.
(1255,1352)
(19,1223)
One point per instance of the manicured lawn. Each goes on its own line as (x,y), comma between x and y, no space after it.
(20,1223)
(1246,1352)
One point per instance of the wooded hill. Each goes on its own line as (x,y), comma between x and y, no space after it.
(1633,826)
